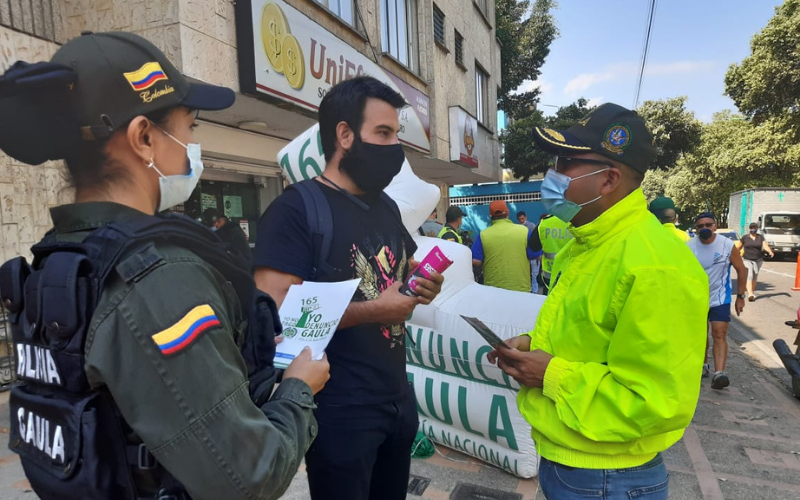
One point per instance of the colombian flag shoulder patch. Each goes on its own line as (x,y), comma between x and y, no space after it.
(181,335)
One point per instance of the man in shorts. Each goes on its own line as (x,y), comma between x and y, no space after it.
(717,254)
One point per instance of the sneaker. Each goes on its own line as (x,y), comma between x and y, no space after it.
(706,370)
(720,381)
(752,298)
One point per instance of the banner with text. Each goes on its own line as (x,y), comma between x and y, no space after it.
(298,61)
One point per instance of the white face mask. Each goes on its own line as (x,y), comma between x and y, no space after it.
(176,189)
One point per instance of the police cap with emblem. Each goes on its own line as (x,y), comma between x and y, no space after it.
(609,130)
(94,85)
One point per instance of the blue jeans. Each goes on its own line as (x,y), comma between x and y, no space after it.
(649,481)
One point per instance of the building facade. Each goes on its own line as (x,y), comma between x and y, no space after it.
(281,56)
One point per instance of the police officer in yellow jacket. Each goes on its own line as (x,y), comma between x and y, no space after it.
(163,340)
(664,210)
(453,221)
(610,376)
(549,238)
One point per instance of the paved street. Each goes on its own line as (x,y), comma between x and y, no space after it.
(744,443)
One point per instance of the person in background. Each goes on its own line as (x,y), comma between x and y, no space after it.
(522,218)
(717,254)
(754,246)
(609,375)
(550,237)
(367,413)
(431,227)
(501,250)
(454,218)
(232,234)
(664,210)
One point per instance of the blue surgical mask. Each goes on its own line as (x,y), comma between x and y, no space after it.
(176,189)
(553,189)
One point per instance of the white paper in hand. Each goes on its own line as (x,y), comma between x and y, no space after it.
(310,314)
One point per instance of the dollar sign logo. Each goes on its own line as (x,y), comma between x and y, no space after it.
(291,63)
(274,43)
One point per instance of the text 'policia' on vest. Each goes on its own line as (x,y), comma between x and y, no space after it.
(553,234)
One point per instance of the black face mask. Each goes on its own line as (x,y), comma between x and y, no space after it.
(705,233)
(372,166)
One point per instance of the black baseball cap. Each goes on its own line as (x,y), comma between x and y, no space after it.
(121,75)
(610,130)
(705,215)
(453,213)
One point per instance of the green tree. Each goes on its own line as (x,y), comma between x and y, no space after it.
(525,43)
(767,83)
(520,152)
(676,131)
(734,153)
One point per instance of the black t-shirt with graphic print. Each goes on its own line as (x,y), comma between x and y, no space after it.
(367,361)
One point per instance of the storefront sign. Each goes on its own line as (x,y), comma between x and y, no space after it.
(284,54)
(463,132)
(233,206)
(207,201)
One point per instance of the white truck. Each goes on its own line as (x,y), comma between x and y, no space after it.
(777,212)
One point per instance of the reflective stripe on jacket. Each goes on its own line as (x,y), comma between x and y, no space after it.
(626,323)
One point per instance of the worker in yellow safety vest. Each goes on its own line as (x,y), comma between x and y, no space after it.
(501,250)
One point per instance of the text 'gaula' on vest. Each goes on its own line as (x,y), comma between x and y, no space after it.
(39,432)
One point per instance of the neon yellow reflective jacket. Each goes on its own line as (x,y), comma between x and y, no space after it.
(626,322)
(677,232)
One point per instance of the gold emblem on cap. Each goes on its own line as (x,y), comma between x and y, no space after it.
(554,134)
(274,29)
(293,64)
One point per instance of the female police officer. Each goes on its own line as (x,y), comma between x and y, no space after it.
(162,339)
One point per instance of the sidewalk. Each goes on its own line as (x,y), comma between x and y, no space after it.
(744,444)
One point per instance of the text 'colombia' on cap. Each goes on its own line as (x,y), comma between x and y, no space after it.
(610,130)
(121,75)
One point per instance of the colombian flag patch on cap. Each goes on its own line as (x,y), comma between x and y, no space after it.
(146,76)
(180,335)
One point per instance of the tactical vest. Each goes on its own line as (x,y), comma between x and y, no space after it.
(71,438)
(553,234)
(505,257)
(447,229)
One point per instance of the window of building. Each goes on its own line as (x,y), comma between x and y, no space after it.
(399,31)
(344,9)
(481,94)
(459,48)
(438,25)
(483,6)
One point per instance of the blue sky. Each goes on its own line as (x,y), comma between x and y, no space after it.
(692,44)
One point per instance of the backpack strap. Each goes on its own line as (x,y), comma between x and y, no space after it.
(319,220)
